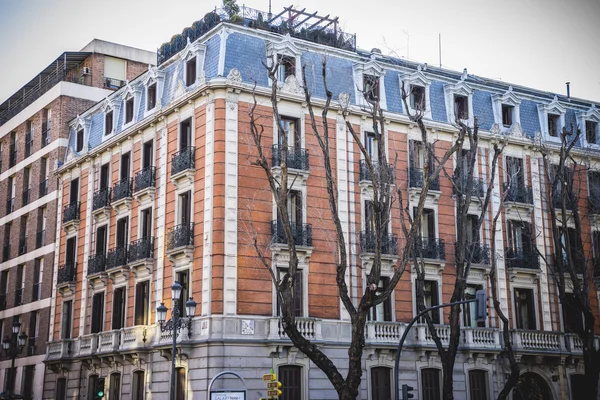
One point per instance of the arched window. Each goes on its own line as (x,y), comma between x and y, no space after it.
(91,387)
(180,384)
(430,383)
(114,390)
(290,377)
(478,384)
(61,389)
(137,386)
(381,386)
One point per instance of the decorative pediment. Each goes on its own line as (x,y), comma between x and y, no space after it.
(81,123)
(417,78)
(285,47)
(192,49)
(371,67)
(460,88)
(108,104)
(509,98)
(554,107)
(591,114)
(130,90)
(154,74)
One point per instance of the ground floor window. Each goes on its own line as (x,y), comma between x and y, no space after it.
(180,384)
(478,384)
(430,383)
(61,389)
(381,387)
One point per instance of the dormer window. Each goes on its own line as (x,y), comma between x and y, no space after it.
(108,122)
(507,115)
(151,100)
(129,110)
(287,67)
(190,71)
(591,132)
(371,87)
(417,98)
(79,142)
(553,125)
(461,107)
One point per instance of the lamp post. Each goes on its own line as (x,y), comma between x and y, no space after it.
(12,347)
(175,325)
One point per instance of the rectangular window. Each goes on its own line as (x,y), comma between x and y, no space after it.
(515,173)
(507,115)
(13,150)
(151,102)
(27,382)
(185,134)
(431,299)
(101,237)
(430,383)
(108,122)
(519,236)
(122,231)
(417,97)
(79,144)
(97,322)
(91,389)
(137,387)
(142,300)
(591,128)
(114,392)
(70,255)
(382,311)
(288,130)
(66,316)
(185,208)
(147,155)
(190,72)
(183,277)
(469,314)
(295,207)
(129,110)
(74,191)
(291,382)
(61,389)
(104,176)
(118,315)
(146,221)
(371,87)
(23,235)
(553,125)
(38,276)
(125,165)
(297,293)
(19,285)
(33,333)
(26,184)
(461,107)
(287,67)
(180,384)
(3,289)
(525,309)
(417,155)
(427,223)
(478,384)
(371,146)
(572,316)
(381,385)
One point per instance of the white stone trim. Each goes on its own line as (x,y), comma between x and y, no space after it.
(509,98)
(223,34)
(374,68)
(87,244)
(554,107)
(416,78)
(477,363)
(592,114)
(285,47)
(343,206)
(460,88)
(209,158)
(160,217)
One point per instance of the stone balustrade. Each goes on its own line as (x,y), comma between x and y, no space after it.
(310,328)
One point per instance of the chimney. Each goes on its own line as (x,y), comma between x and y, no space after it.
(568,90)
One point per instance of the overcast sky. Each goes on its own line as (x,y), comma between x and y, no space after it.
(536,43)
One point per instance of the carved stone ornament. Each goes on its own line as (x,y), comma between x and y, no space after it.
(234,76)
(292,85)
(179,89)
(496,129)
(516,130)
(202,78)
(344,99)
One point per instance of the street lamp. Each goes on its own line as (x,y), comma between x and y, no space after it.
(12,347)
(175,324)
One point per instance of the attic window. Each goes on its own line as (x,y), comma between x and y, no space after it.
(591,128)
(79,144)
(507,115)
(108,122)
(417,97)
(190,72)
(371,87)
(129,110)
(151,96)
(461,107)
(553,124)
(286,67)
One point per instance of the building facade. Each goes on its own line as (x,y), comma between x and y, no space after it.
(159,185)
(34,129)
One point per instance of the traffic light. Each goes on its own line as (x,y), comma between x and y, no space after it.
(480,305)
(406,392)
(99,389)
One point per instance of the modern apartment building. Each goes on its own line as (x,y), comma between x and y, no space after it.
(33,138)
(159,185)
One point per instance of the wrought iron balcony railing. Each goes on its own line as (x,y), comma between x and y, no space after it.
(101,199)
(116,257)
(40,239)
(10,205)
(96,263)
(557,200)
(578,260)
(71,212)
(521,258)
(385,172)
(141,249)
(122,189)
(67,273)
(389,243)
(45,137)
(6,253)
(183,160)
(111,83)
(415,179)
(145,178)
(301,233)
(594,200)
(478,189)
(43,190)
(517,193)
(296,158)
(431,248)
(22,245)
(26,195)
(180,236)
(476,253)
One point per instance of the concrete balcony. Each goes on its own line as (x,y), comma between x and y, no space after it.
(109,341)
(538,341)
(384,332)
(137,337)
(310,328)
(60,349)
(481,338)
(88,344)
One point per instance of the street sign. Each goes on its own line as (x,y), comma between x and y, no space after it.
(273,385)
(269,377)
(274,393)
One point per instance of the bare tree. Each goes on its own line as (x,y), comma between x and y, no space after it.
(385,196)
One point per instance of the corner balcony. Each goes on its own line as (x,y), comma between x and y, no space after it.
(66,278)
(101,204)
(135,338)
(416,180)
(144,185)
(519,258)
(180,244)
(122,195)
(141,257)
(384,172)
(183,167)
(431,249)
(310,328)
(96,271)
(60,349)
(116,264)
(71,217)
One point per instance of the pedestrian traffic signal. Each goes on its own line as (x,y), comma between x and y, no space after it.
(99,388)
(406,392)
